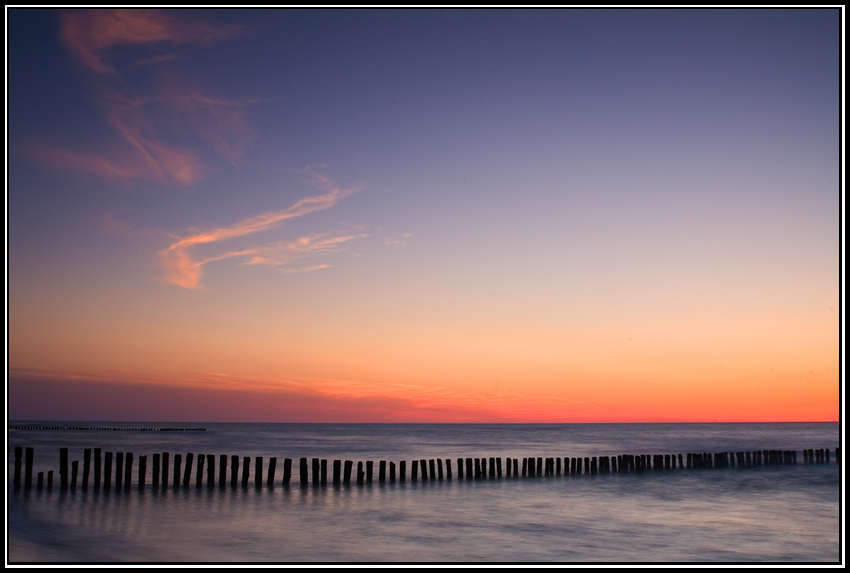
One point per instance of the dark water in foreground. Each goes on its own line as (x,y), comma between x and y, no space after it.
(762,514)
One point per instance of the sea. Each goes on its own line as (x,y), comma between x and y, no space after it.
(764,514)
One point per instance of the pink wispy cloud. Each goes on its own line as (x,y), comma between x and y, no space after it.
(99,39)
(185,270)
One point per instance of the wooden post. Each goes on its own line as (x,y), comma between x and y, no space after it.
(493,467)
(19,452)
(558,466)
(448,468)
(323,472)
(433,474)
(516,465)
(246,470)
(86,468)
(128,470)
(477,468)
(507,467)
(423,465)
(270,477)
(155,476)
(483,468)
(337,471)
(63,467)
(539,466)
(315,464)
(164,470)
(107,469)
(28,459)
(346,472)
(439,468)
(368,472)
(199,474)
(402,471)
(360,473)
(382,471)
(392,472)
(303,468)
(524,467)
(469,470)
(680,461)
(414,467)
(178,462)
(187,474)
(143,468)
(287,471)
(119,470)
(222,470)
(74,466)
(234,470)
(258,472)
(460,468)
(97,468)
(210,471)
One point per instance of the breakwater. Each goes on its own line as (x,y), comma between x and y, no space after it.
(115,470)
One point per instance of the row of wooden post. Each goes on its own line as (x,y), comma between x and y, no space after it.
(429,470)
(31,427)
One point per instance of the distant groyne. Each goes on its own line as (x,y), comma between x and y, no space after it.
(114,470)
(55,428)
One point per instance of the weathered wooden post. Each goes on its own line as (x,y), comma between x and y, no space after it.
(477,468)
(287,471)
(369,471)
(439,468)
(460,468)
(507,467)
(392,472)
(402,471)
(97,468)
(323,472)
(346,472)
(315,467)
(492,468)
(199,470)
(539,466)
(19,452)
(63,467)
(128,470)
(433,474)
(424,467)
(143,468)
(516,465)
(28,460)
(557,466)
(258,472)
(360,473)
(382,471)
(107,469)
(187,474)
(448,468)
(155,476)
(210,471)
(74,465)
(178,463)
(246,469)
(272,467)
(86,468)
(222,470)
(414,468)
(337,472)
(234,470)
(483,468)
(164,470)
(119,469)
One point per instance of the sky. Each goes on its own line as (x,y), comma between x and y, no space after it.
(560,216)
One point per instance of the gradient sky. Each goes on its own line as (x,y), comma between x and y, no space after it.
(424,215)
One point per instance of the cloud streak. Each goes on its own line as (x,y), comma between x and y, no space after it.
(114,43)
(184,270)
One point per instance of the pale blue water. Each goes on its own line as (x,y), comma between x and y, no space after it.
(762,514)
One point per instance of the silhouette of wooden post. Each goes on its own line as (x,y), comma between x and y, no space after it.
(199,473)
(558,466)
(337,472)
(369,472)
(524,467)
(477,468)
(414,468)
(433,474)
(74,466)
(493,468)
(402,471)
(258,472)
(439,468)
(107,469)
(516,465)
(382,471)
(178,468)
(155,476)
(128,470)
(19,452)
(164,470)
(210,471)
(272,467)
(187,474)
(460,469)
(423,465)
(346,472)
(448,468)
(234,470)
(360,473)
(63,467)
(323,472)
(392,472)
(315,464)
(483,468)
(469,471)
(86,468)
(539,466)
(119,469)
(143,468)
(287,471)
(97,468)
(246,470)
(28,459)
(303,470)
(222,470)
(507,467)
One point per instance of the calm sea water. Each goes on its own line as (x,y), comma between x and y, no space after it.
(764,514)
